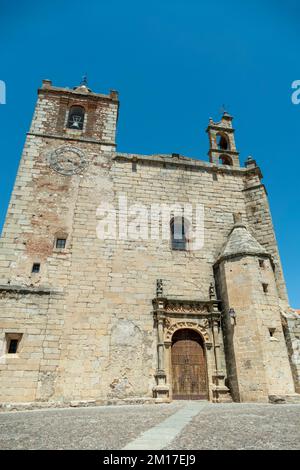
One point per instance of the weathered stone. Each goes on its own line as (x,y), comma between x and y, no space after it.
(94,325)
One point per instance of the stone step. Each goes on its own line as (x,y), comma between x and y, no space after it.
(284,399)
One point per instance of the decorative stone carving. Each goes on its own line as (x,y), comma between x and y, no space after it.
(200,327)
(179,307)
(212,291)
(159,288)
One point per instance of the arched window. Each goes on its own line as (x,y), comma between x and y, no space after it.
(225,160)
(222,142)
(76,118)
(179,230)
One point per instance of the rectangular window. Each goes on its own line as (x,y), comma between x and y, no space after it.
(261,263)
(36,268)
(265,288)
(12,342)
(61,243)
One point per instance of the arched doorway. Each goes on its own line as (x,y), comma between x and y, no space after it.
(189,374)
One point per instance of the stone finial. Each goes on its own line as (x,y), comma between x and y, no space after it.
(159,288)
(212,291)
(46,83)
(237,217)
(250,162)
(114,94)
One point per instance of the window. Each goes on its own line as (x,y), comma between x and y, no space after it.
(36,268)
(134,167)
(12,342)
(60,243)
(265,288)
(272,332)
(76,118)
(261,263)
(179,228)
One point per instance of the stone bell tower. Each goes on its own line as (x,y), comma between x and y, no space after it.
(49,239)
(222,149)
(257,358)
(72,135)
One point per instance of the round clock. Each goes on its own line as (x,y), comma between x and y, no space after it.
(67,160)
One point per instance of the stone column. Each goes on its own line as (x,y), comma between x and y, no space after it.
(220,391)
(160,344)
(161,390)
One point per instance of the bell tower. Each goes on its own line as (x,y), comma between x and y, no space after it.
(222,149)
(75,114)
(68,149)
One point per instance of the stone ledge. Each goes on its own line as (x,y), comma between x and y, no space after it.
(72,138)
(26,406)
(186,162)
(29,290)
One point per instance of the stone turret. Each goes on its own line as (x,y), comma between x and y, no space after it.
(257,357)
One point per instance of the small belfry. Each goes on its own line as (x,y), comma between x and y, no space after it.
(222,149)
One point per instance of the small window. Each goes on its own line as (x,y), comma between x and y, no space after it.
(76,118)
(265,288)
(179,230)
(60,243)
(134,167)
(272,332)
(12,342)
(36,268)
(261,263)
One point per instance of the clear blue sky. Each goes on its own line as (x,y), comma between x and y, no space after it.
(174,64)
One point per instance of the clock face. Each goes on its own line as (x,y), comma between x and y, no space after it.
(67,161)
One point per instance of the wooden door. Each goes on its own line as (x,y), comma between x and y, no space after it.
(189,374)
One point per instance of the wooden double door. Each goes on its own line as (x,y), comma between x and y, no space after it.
(189,373)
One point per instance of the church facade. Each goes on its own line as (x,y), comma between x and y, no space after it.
(130,278)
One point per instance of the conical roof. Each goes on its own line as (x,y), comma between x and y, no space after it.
(240,242)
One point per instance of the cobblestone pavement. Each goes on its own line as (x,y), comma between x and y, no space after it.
(223,426)
(242,426)
(109,427)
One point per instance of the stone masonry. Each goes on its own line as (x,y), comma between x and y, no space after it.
(91,323)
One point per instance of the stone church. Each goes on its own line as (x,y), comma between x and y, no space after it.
(86,319)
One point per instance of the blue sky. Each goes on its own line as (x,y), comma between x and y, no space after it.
(174,64)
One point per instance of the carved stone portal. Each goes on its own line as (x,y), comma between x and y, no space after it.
(203,317)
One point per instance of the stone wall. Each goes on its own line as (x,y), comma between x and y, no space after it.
(291,328)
